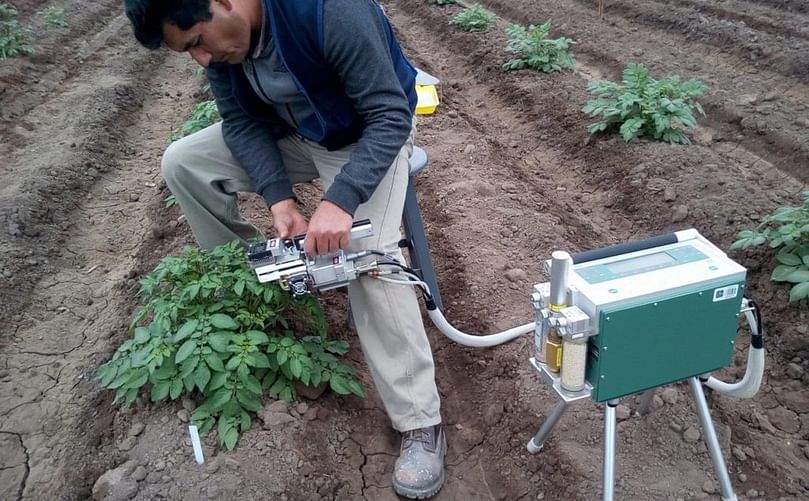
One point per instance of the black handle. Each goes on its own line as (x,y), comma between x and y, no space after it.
(615,250)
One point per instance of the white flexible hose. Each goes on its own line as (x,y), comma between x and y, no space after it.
(750,383)
(477,341)
(454,334)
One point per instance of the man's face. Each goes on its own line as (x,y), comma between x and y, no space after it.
(224,38)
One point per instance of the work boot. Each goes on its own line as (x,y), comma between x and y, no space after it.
(419,471)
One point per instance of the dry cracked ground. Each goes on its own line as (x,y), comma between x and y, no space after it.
(513,176)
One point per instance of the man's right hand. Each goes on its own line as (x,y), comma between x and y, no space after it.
(287,220)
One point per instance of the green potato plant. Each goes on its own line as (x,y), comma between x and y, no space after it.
(12,35)
(535,51)
(643,106)
(55,16)
(474,19)
(203,115)
(208,328)
(786,228)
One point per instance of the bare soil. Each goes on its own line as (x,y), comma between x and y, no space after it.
(513,176)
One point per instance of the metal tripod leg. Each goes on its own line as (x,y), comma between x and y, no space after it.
(609,450)
(711,441)
(536,443)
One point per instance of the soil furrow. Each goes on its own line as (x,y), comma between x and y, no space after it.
(767,118)
(39,191)
(55,209)
(767,19)
(513,175)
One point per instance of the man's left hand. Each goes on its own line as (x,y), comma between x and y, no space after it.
(328,230)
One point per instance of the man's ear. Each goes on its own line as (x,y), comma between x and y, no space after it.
(227,4)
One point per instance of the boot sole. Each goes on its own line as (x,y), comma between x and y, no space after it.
(420,493)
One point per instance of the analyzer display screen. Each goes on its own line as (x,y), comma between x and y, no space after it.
(674,256)
(657,260)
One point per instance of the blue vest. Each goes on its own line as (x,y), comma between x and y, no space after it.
(297,29)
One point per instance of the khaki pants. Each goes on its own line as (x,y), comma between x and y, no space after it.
(205,177)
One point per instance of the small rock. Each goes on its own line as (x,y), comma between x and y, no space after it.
(274,420)
(493,414)
(189,405)
(127,444)
(669,395)
(679,214)
(516,275)
(302,408)
(136,429)
(784,419)
(622,412)
(134,197)
(114,484)
(153,478)
(232,463)
(794,370)
(746,99)
(159,465)
(709,487)
(691,435)
(637,52)
(676,427)
(183,415)
(752,493)
(278,406)
(311,414)
(739,454)
(469,149)
(669,195)
(140,473)
(763,423)
(742,477)
(212,467)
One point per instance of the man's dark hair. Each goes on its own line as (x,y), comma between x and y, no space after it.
(149,16)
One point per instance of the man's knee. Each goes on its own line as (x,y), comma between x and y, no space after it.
(175,160)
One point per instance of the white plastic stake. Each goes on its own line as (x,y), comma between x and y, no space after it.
(195,443)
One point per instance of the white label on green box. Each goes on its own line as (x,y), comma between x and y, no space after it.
(724,293)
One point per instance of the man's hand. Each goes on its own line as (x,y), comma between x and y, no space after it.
(287,220)
(328,230)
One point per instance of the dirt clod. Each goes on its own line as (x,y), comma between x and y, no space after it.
(115,484)
(669,395)
(784,419)
(136,429)
(691,435)
(794,371)
(140,473)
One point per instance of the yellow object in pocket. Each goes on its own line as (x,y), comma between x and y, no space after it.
(427,99)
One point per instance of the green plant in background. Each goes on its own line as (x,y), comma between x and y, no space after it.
(441,2)
(208,327)
(474,19)
(170,201)
(643,106)
(535,51)
(204,114)
(12,36)
(54,16)
(787,228)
